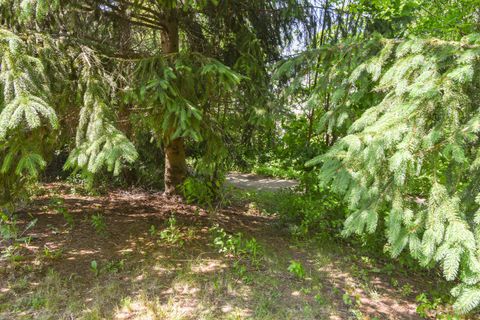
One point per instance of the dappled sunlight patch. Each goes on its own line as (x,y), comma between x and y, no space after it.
(208,266)
(83,252)
(136,308)
(253,209)
(159,269)
(241,291)
(179,301)
(179,309)
(249,181)
(236,312)
(126,251)
(149,275)
(185,289)
(226,308)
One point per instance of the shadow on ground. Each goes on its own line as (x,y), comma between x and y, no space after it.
(141,276)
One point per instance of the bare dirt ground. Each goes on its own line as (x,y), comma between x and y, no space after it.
(140,276)
(252,181)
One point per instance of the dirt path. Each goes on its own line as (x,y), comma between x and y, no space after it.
(355,287)
(179,273)
(370,293)
(251,181)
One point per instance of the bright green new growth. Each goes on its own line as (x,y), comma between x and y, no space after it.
(27,112)
(24,86)
(26,115)
(98,142)
(401,118)
(180,93)
(412,158)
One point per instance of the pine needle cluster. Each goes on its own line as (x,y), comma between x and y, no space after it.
(27,117)
(410,156)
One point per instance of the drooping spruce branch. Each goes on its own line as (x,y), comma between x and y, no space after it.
(98,143)
(26,115)
(409,153)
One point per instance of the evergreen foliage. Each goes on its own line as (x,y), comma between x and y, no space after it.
(101,67)
(411,158)
(395,122)
(27,118)
(183,94)
(98,143)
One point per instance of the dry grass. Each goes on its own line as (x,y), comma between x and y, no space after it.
(148,273)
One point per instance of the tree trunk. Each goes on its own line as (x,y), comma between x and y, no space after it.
(175,164)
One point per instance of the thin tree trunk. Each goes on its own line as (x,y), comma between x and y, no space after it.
(175,163)
(311,116)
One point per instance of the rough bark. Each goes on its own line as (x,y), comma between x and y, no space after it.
(175,163)
(175,166)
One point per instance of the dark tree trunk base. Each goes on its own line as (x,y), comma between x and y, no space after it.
(175,167)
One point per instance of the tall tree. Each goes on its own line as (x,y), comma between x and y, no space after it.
(404,115)
(162,66)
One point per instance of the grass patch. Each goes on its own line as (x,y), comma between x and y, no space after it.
(275,170)
(167,260)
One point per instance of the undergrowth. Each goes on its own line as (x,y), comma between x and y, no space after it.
(276,169)
(318,219)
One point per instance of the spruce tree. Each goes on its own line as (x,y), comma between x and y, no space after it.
(27,118)
(118,70)
(406,117)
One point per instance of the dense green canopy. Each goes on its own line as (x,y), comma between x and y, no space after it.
(131,77)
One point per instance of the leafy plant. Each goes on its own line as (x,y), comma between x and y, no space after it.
(200,191)
(296,268)
(347,299)
(153,231)
(435,306)
(94,268)
(172,234)
(306,214)
(320,299)
(12,237)
(114,266)
(275,169)
(99,224)
(236,246)
(240,269)
(58,205)
(52,254)
(406,290)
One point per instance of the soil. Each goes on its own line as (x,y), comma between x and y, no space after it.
(252,181)
(130,214)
